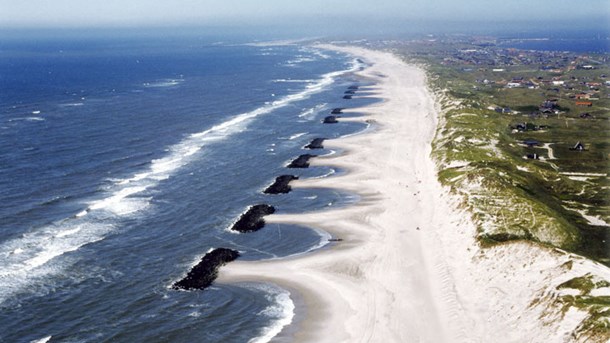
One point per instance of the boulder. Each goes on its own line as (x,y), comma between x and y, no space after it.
(281,185)
(205,272)
(252,220)
(330,120)
(316,143)
(301,161)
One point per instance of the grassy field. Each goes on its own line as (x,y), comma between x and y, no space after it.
(562,196)
(490,109)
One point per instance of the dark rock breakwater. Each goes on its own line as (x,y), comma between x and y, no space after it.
(205,272)
(252,220)
(316,143)
(330,120)
(281,184)
(301,161)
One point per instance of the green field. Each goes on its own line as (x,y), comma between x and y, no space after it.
(493,101)
(562,196)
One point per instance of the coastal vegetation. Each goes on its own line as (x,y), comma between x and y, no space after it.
(524,137)
(524,140)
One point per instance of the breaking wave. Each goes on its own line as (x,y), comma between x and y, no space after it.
(26,259)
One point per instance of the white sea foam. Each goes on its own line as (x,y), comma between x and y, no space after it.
(280,312)
(68,232)
(330,172)
(72,104)
(310,113)
(294,81)
(37,248)
(25,259)
(115,203)
(300,59)
(368,127)
(26,119)
(42,340)
(297,135)
(325,238)
(163,83)
(320,54)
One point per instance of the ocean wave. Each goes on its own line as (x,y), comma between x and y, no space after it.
(330,173)
(183,152)
(26,119)
(280,312)
(320,54)
(163,83)
(325,238)
(315,52)
(27,258)
(310,113)
(299,59)
(293,81)
(309,55)
(42,340)
(369,126)
(295,136)
(72,104)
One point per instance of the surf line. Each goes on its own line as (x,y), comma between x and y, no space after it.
(301,162)
(205,272)
(252,220)
(284,271)
(124,197)
(304,275)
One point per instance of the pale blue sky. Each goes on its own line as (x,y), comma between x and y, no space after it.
(71,13)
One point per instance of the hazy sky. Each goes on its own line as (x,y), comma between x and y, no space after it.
(71,13)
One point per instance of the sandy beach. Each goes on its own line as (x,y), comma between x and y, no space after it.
(408,268)
(382,282)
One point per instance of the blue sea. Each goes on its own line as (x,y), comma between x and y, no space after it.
(123,161)
(597,42)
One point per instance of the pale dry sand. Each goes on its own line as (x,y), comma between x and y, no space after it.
(409,268)
(382,282)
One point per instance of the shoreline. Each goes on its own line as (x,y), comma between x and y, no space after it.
(409,267)
(349,287)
